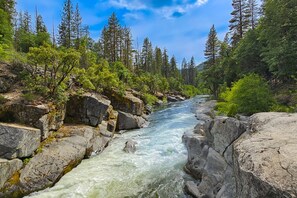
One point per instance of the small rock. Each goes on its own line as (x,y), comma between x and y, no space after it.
(130,146)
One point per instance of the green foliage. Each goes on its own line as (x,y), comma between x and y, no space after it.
(149,99)
(5,28)
(278,31)
(249,95)
(49,71)
(190,91)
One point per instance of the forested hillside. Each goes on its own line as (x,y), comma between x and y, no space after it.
(257,58)
(58,63)
(255,65)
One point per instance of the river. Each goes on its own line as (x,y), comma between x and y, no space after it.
(154,170)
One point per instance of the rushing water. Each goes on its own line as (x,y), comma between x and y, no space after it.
(154,170)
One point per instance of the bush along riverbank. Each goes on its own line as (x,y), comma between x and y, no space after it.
(41,141)
(242,157)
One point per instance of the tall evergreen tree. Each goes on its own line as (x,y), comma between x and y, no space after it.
(127,49)
(111,39)
(66,25)
(192,72)
(212,47)
(173,67)
(252,13)
(147,55)
(185,71)
(239,22)
(165,66)
(158,60)
(77,27)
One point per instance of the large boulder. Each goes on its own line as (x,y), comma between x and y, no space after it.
(18,141)
(265,158)
(87,109)
(73,144)
(126,102)
(54,161)
(8,168)
(46,117)
(243,158)
(128,121)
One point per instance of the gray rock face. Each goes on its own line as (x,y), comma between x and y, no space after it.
(87,109)
(44,117)
(18,141)
(8,168)
(254,157)
(128,121)
(54,161)
(126,103)
(7,78)
(266,163)
(130,146)
(224,131)
(59,157)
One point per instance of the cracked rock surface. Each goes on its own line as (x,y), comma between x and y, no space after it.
(268,153)
(242,158)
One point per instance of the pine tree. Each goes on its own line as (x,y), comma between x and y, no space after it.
(77,27)
(158,60)
(40,26)
(192,72)
(127,49)
(252,14)
(185,71)
(66,25)
(113,31)
(173,68)
(165,66)
(240,21)
(212,47)
(147,55)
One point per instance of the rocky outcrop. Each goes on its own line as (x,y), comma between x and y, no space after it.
(70,145)
(130,146)
(89,109)
(128,121)
(45,117)
(18,141)
(8,168)
(126,102)
(266,163)
(242,158)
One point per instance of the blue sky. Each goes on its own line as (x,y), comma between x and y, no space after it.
(180,26)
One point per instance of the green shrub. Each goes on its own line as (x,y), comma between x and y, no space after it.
(249,95)
(149,99)
(190,91)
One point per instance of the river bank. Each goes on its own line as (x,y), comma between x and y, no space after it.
(244,157)
(155,169)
